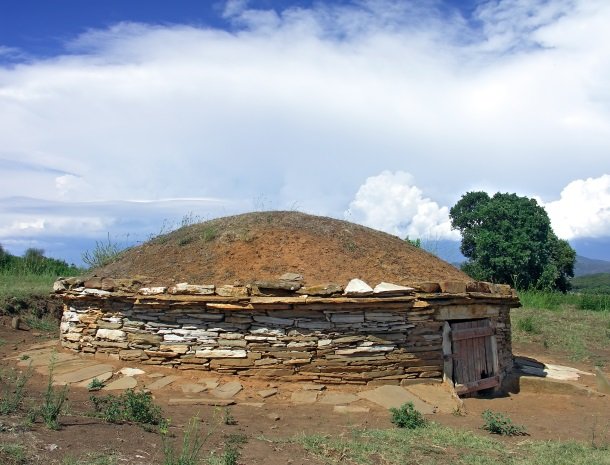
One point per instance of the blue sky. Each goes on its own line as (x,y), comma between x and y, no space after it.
(121,117)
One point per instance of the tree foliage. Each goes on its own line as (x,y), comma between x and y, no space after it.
(509,239)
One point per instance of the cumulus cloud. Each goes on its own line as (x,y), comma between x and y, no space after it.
(299,105)
(583,210)
(392,203)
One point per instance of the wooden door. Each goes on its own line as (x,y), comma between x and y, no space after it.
(474,356)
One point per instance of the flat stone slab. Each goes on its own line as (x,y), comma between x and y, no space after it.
(160,383)
(156,375)
(82,374)
(227,390)
(394,397)
(121,384)
(101,378)
(304,397)
(267,393)
(65,366)
(45,359)
(350,409)
(192,388)
(338,399)
(440,396)
(201,401)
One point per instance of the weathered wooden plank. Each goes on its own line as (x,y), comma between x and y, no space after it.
(471,333)
(447,359)
(479,385)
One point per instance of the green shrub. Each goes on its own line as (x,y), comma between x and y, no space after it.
(136,407)
(95,385)
(406,416)
(497,423)
(12,454)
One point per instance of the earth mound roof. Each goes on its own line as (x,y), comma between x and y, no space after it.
(264,245)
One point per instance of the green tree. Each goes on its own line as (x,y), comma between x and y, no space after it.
(509,239)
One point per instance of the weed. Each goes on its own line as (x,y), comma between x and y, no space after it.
(498,423)
(24,357)
(53,402)
(12,454)
(95,385)
(136,407)
(209,233)
(185,240)
(406,416)
(105,252)
(228,418)
(192,443)
(13,391)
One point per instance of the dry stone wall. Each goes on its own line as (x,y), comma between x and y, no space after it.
(388,337)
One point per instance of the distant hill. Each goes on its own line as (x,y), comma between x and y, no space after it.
(597,283)
(586,266)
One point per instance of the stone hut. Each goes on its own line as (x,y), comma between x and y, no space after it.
(290,296)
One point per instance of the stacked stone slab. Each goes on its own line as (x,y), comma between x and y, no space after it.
(387,335)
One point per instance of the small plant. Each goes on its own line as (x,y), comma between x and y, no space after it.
(228,418)
(12,454)
(104,253)
(192,443)
(53,402)
(14,391)
(95,385)
(209,233)
(497,423)
(406,416)
(136,407)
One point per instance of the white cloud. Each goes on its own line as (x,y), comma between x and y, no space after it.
(583,209)
(392,203)
(298,106)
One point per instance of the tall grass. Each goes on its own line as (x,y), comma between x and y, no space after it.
(556,300)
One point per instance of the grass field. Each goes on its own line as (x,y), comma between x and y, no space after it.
(575,325)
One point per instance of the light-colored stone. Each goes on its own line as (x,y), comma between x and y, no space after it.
(115,335)
(357,287)
(227,390)
(153,290)
(392,289)
(192,289)
(441,396)
(131,371)
(220,353)
(121,384)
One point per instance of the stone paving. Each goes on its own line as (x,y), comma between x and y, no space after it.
(185,389)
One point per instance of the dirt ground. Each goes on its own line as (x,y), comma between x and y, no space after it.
(267,429)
